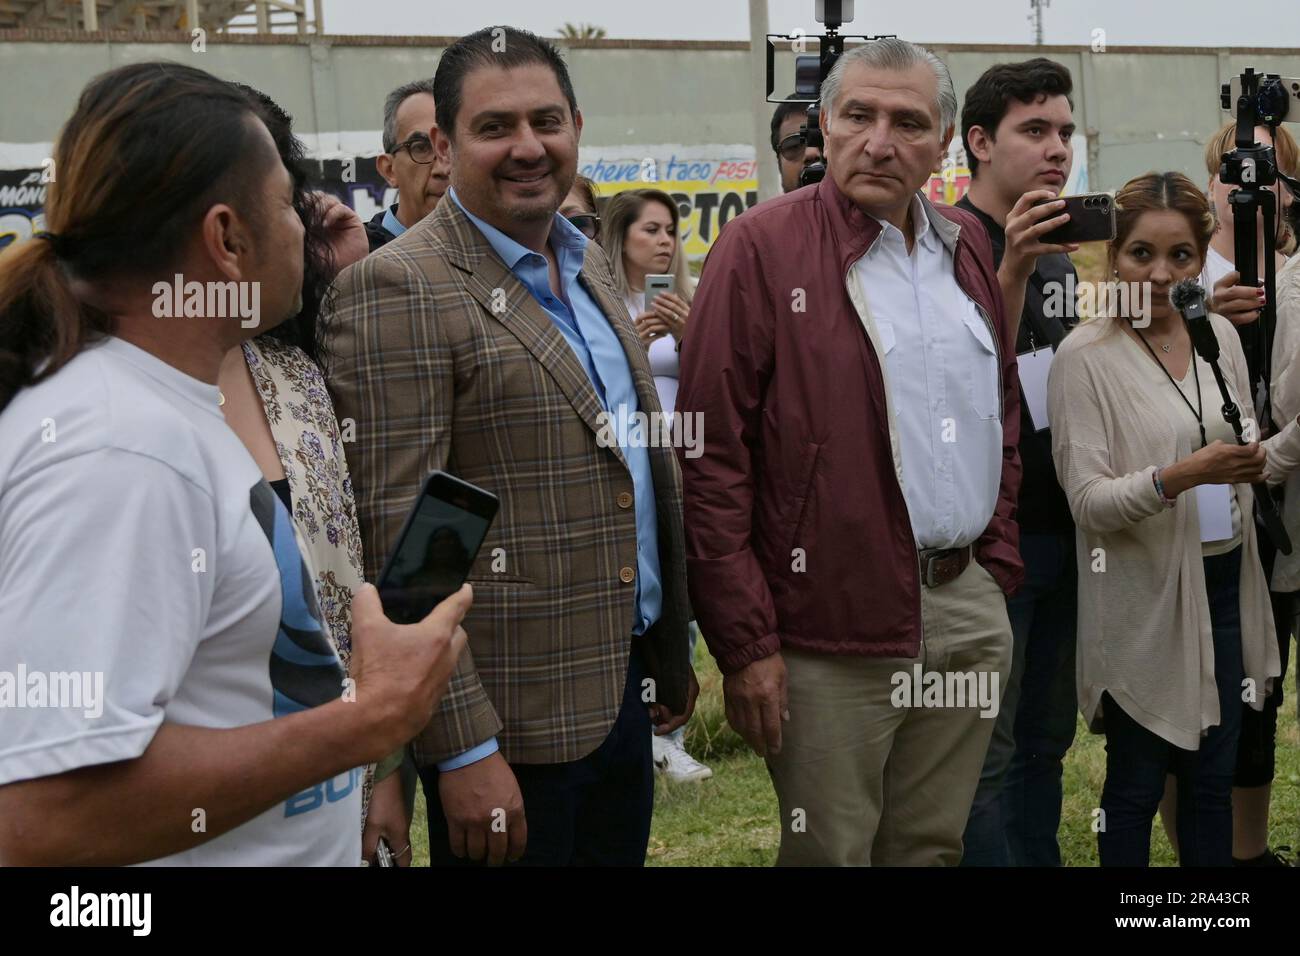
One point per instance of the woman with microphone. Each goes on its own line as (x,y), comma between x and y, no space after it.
(1175,627)
(1241,305)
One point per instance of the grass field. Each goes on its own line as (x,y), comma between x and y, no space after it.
(731,820)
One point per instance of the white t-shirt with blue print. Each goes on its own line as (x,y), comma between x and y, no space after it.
(140,542)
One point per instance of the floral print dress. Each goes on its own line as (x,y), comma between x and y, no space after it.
(310,445)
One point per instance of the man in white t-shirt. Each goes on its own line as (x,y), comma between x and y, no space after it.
(167,692)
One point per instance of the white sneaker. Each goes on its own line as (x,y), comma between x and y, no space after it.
(672,759)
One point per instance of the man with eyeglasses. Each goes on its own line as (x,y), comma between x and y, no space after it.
(407,162)
(791,153)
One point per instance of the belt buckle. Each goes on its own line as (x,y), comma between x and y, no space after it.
(928,560)
(934,560)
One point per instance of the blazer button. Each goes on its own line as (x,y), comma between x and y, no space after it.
(627,575)
(625,499)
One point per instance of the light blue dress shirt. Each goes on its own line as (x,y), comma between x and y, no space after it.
(598,349)
(392,223)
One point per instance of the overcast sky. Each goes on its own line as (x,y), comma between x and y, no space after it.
(1239,23)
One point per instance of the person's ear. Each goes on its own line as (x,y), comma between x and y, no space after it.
(384,164)
(577,125)
(224,241)
(943,148)
(979,144)
(442,146)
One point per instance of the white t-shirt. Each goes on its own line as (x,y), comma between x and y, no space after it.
(1216,429)
(1216,267)
(141,547)
(665,362)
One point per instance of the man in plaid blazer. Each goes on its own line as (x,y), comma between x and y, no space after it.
(489,341)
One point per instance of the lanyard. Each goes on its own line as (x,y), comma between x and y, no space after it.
(1198,411)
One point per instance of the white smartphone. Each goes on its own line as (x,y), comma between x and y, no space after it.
(655,284)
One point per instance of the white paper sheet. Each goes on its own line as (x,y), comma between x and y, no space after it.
(1214,504)
(1033,382)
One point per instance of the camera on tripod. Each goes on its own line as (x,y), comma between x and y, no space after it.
(810,71)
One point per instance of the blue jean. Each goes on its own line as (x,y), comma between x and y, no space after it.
(1137,760)
(1017,808)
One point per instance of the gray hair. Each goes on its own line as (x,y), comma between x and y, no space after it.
(393,102)
(898,55)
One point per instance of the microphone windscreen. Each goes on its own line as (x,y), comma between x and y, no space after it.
(1185,294)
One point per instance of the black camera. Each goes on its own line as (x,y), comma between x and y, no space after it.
(810,72)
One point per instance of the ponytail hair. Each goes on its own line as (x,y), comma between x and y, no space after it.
(42,325)
(148,150)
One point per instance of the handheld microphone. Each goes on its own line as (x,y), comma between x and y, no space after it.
(1188,298)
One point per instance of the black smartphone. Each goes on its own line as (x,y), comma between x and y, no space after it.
(1092,219)
(436,547)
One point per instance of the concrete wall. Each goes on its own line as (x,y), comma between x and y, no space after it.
(1141,108)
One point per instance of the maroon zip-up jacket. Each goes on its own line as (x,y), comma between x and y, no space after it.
(795,450)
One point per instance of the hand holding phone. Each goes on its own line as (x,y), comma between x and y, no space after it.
(654,285)
(436,547)
(1092,219)
(399,672)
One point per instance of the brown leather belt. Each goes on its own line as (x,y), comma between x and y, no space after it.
(941,565)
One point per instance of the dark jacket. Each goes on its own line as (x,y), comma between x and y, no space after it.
(375,231)
(796,445)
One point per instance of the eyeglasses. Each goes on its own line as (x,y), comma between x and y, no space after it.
(586,223)
(418,147)
(792,148)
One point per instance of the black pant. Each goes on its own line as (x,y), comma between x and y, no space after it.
(589,812)
(1256,750)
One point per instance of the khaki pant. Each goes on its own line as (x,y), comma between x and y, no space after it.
(863,782)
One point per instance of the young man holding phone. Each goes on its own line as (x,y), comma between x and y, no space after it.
(1016,127)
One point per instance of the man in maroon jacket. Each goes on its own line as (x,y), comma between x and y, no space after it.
(850,521)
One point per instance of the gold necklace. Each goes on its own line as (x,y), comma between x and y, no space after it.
(221,398)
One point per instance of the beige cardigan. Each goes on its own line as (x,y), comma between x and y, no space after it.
(1144,621)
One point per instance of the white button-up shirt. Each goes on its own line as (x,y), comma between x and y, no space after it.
(941,371)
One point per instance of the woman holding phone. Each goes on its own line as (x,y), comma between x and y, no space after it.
(640,230)
(1175,626)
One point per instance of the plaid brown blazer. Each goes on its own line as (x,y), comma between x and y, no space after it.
(435,377)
